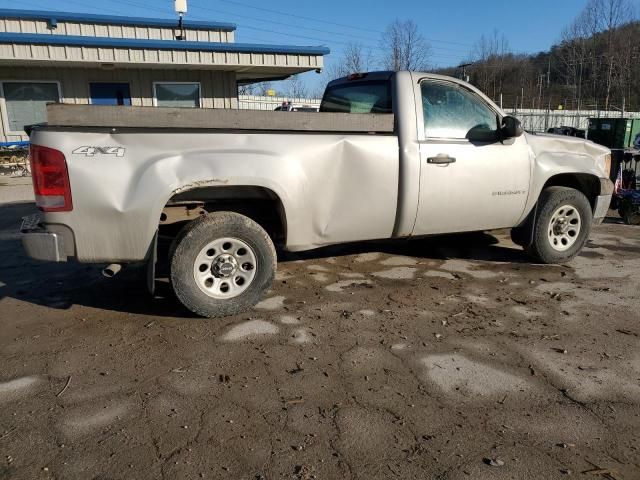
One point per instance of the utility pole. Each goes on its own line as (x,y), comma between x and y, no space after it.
(549,72)
(464,66)
(540,81)
(580,87)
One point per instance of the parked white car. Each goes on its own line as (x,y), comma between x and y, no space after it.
(296,107)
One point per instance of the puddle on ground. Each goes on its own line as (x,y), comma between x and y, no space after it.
(399,261)
(289,320)
(97,418)
(318,268)
(300,336)
(19,387)
(367,257)
(438,274)
(455,373)
(345,284)
(252,328)
(398,273)
(463,266)
(320,277)
(351,275)
(272,303)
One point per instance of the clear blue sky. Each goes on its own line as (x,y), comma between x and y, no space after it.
(450,26)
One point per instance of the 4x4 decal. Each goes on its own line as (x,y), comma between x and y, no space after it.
(93,151)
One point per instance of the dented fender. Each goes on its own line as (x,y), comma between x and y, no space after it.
(555,155)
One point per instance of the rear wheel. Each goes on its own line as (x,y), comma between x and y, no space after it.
(222,264)
(562,225)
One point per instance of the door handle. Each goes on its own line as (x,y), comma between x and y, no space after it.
(441,159)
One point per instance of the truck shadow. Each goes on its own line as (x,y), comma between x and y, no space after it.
(65,285)
(479,246)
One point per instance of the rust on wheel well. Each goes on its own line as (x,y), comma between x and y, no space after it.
(586,183)
(260,204)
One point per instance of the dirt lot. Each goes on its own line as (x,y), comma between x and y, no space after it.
(424,359)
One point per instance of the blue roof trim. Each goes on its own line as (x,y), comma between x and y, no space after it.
(113,19)
(14,144)
(110,42)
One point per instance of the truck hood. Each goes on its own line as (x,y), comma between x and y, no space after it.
(547,142)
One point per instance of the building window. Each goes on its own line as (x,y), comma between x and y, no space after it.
(176,94)
(26,102)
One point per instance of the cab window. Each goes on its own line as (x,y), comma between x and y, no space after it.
(451,111)
(358,97)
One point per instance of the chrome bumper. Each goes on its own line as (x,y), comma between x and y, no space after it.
(601,208)
(40,244)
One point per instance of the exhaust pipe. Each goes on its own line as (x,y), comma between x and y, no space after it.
(112,270)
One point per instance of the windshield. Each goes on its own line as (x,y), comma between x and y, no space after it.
(361,97)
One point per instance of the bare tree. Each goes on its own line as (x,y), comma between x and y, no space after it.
(490,53)
(354,59)
(404,47)
(296,87)
(261,88)
(599,24)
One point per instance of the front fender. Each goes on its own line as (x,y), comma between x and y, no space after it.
(557,155)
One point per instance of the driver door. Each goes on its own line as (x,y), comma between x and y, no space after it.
(466,185)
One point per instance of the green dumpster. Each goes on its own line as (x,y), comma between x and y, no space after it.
(614,132)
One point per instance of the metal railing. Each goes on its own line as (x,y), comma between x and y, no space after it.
(535,120)
(541,120)
(256,102)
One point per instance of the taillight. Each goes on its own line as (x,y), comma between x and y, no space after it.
(50,179)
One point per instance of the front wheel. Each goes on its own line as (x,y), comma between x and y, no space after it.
(562,225)
(222,264)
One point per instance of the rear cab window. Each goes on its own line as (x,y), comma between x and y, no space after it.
(372,96)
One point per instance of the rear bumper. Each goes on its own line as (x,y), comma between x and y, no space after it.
(44,246)
(40,244)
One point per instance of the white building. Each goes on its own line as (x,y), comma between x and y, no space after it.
(110,60)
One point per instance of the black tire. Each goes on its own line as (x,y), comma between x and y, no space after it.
(621,212)
(632,217)
(551,199)
(190,242)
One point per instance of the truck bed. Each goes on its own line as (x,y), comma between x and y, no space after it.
(93,116)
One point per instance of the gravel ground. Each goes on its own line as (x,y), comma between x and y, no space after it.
(450,358)
(15,189)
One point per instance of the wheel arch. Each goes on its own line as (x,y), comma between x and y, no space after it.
(261,204)
(587,183)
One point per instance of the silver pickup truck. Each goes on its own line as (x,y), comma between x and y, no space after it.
(390,155)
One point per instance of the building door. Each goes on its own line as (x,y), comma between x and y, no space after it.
(110,93)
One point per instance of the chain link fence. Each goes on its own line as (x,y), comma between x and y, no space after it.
(541,120)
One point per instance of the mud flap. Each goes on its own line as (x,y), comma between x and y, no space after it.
(523,234)
(152,259)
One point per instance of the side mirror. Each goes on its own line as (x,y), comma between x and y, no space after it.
(511,127)
(482,134)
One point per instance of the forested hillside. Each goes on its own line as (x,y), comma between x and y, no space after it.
(595,65)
